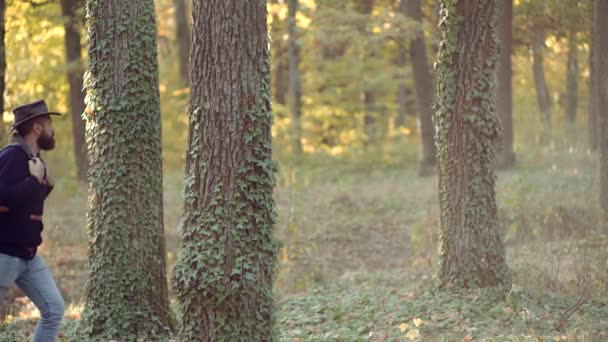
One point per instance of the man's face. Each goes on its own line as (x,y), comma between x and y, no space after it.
(46,139)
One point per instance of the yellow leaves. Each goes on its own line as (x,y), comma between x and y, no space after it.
(411,333)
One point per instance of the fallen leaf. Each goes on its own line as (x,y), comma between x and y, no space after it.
(403,327)
(412,334)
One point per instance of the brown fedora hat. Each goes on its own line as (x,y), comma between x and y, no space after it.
(29,111)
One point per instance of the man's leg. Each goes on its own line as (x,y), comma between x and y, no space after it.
(38,284)
(10,267)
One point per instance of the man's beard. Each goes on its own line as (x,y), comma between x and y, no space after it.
(46,142)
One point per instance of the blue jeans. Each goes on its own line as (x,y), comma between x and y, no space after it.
(35,280)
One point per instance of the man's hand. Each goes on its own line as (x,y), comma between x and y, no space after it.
(37,169)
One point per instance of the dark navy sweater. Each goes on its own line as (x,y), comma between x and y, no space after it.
(24,196)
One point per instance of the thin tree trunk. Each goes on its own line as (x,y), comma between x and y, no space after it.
(601,59)
(542,91)
(75,72)
(295,89)
(370,120)
(592,103)
(471,250)
(572,79)
(225,268)
(280,63)
(504,98)
(2,69)
(183,39)
(424,89)
(126,295)
(404,91)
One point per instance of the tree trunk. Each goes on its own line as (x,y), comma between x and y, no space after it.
(572,79)
(2,70)
(542,91)
(592,127)
(424,89)
(225,268)
(295,89)
(504,98)
(370,120)
(471,249)
(601,67)
(75,72)
(183,39)
(280,63)
(126,296)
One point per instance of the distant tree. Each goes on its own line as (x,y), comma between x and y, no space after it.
(226,262)
(592,115)
(424,89)
(504,89)
(72,23)
(295,87)
(471,250)
(2,68)
(126,295)
(600,37)
(182,33)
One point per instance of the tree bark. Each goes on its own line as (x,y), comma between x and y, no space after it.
(424,90)
(592,114)
(126,296)
(504,90)
(542,91)
(280,63)
(601,68)
(471,250)
(370,120)
(225,268)
(295,88)
(183,39)
(75,72)
(572,79)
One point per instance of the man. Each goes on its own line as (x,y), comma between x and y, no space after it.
(24,185)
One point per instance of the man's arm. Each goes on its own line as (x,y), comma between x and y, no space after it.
(16,186)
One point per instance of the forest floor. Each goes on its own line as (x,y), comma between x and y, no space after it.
(358,249)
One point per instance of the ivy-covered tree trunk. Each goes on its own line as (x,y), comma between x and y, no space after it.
(424,89)
(75,71)
(468,131)
(601,64)
(572,79)
(226,262)
(2,69)
(182,33)
(504,87)
(592,103)
(542,91)
(126,295)
(295,88)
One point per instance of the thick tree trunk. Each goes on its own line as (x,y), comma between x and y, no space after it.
(295,88)
(126,296)
(504,98)
(225,268)
(183,39)
(542,91)
(424,89)
(592,103)
(601,67)
(572,79)
(75,72)
(471,249)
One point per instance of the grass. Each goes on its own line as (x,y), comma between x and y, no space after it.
(358,239)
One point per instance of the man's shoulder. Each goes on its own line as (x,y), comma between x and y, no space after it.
(13,151)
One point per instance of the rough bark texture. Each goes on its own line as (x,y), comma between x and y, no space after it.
(572,79)
(468,129)
(182,34)
(126,296)
(504,88)
(592,103)
(295,88)
(601,59)
(75,72)
(2,70)
(226,262)
(542,91)
(424,89)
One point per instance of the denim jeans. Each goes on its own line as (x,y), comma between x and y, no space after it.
(35,280)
